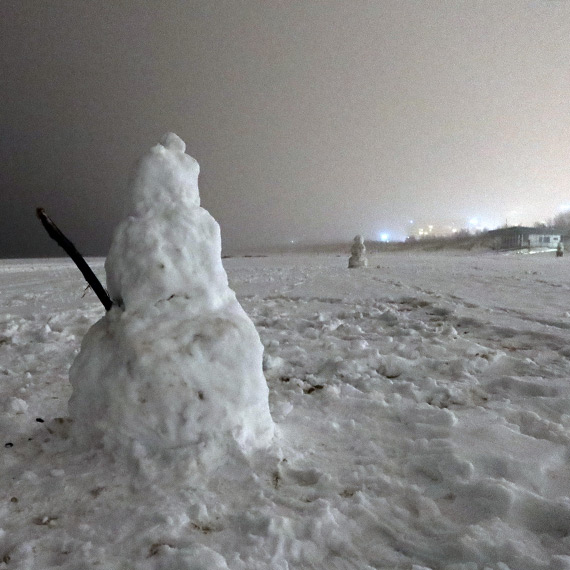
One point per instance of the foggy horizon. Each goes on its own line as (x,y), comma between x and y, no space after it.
(312,121)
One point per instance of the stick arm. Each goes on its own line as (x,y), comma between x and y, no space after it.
(56,234)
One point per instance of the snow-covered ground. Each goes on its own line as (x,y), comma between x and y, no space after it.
(422,408)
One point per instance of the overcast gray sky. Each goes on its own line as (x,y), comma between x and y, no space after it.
(312,120)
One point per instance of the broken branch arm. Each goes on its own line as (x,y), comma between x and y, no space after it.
(56,234)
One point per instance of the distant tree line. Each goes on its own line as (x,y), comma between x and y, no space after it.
(562,222)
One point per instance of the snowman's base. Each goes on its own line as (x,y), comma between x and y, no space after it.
(354,263)
(169,380)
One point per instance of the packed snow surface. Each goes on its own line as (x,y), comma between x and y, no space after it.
(422,412)
(174,370)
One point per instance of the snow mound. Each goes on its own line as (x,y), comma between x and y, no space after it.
(176,364)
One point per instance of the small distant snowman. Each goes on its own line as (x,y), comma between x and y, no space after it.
(358,253)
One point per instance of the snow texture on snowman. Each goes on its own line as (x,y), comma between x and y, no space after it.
(176,364)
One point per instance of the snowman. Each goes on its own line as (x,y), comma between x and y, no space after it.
(176,364)
(357,253)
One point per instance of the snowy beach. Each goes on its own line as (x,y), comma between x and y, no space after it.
(422,412)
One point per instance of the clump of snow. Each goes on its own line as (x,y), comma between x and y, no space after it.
(357,253)
(176,364)
(16,405)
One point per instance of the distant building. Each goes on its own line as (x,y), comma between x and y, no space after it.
(520,237)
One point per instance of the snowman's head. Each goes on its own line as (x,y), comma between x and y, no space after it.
(165,178)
